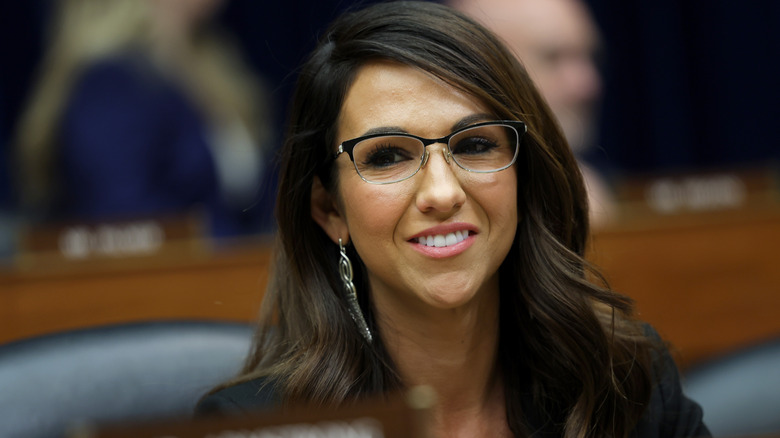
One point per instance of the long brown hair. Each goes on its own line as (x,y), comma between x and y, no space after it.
(567,344)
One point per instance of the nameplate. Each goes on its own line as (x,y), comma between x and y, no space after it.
(76,242)
(702,192)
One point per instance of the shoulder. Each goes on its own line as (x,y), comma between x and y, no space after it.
(125,77)
(670,413)
(120,95)
(244,397)
(125,68)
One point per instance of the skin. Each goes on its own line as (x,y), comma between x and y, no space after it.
(174,21)
(438,315)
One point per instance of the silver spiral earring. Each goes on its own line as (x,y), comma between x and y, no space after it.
(345,270)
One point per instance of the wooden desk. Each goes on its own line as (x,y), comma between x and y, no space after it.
(710,284)
(220,284)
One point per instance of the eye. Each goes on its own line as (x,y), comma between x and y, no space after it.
(474,146)
(385,155)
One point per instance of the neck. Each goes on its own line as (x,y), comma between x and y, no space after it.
(453,351)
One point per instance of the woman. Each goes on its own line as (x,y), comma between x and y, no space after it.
(421,155)
(142,109)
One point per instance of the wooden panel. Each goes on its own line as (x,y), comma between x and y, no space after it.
(709,283)
(709,286)
(393,416)
(222,285)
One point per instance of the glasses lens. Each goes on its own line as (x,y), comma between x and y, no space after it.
(486,148)
(388,158)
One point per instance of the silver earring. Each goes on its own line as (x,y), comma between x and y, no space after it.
(345,269)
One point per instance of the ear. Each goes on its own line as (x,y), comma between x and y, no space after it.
(325,211)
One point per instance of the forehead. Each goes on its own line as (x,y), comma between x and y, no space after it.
(538,24)
(390,94)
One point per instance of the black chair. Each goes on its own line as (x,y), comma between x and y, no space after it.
(125,373)
(739,393)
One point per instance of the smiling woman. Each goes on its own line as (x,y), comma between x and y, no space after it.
(385,222)
(421,155)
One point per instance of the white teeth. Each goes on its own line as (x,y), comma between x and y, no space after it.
(440,240)
(451,239)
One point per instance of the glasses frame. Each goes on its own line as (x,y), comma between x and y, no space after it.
(349,146)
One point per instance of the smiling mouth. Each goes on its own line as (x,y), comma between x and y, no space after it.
(442,240)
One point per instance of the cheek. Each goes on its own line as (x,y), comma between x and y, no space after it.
(373,213)
(503,210)
(497,195)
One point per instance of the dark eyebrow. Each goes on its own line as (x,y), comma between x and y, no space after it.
(470,120)
(385,130)
(460,124)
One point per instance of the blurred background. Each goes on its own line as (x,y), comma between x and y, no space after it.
(137,166)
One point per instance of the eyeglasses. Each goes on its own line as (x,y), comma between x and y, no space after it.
(481,148)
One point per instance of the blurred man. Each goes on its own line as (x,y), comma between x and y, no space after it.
(557,41)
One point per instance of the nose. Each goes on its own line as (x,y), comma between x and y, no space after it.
(439,188)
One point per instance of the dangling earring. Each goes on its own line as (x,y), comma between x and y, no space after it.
(345,269)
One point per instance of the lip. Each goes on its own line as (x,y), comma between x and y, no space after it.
(444,229)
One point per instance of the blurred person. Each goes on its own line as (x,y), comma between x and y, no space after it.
(143,108)
(558,42)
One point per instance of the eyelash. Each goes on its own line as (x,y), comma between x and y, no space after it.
(484,142)
(382,149)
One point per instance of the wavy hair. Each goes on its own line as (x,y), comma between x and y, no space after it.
(566,341)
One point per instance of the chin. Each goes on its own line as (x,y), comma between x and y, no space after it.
(450,297)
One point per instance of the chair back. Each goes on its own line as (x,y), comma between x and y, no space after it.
(122,373)
(739,393)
